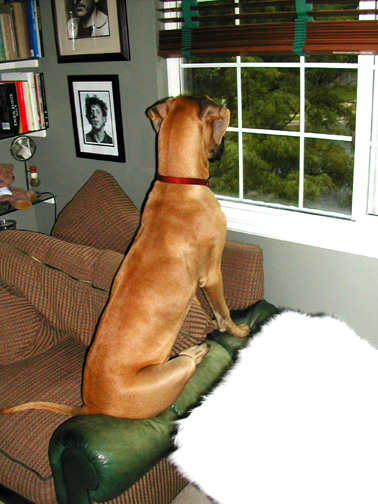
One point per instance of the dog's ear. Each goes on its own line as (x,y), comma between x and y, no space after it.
(158,112)
(220,117)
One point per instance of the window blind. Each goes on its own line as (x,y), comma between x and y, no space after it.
(263,27)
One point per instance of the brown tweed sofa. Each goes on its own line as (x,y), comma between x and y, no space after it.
(52,292)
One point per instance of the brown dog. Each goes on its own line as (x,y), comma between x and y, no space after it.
(179,246)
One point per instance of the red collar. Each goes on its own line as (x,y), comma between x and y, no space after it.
(183,180)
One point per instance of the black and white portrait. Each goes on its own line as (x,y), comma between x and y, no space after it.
(97,127)
(96,117)
(87,19)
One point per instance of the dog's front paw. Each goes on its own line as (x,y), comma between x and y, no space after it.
(240,331)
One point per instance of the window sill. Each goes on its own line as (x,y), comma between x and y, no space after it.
(339,234)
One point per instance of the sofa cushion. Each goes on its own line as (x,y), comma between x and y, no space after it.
(19,317)
(100,215)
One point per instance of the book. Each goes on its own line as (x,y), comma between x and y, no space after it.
(41,107)
(32,28)
(28,107)
(6,121)
(39,28)
(42,79)
(9,36)
(12,93)
(22,107)
(30,98)
(2,48)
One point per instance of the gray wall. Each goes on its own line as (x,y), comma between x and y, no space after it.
(297,276)
(317,280)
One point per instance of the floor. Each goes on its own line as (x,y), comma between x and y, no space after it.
(191,495)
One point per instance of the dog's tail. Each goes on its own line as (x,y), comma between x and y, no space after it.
(40,405)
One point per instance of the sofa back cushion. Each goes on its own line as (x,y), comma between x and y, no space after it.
(49,283)
(100,215)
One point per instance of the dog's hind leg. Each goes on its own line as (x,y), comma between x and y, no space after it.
(146,392)
(158,386)
(213,290)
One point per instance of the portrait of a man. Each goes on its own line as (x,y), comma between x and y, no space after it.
(96,113)
(87,19)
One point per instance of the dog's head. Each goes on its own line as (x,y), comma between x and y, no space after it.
(212,120)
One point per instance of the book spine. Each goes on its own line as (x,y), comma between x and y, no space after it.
(21,28)
(6,120)
(41,111)
(22,107)
(39,27)
(32,28)
(9,37)
(12,93)
(43,89)
(2,48)
(28,108)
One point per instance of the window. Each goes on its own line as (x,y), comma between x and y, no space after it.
(299,147)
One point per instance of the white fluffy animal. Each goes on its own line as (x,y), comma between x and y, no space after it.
(295,421)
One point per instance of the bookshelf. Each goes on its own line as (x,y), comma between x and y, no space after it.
(23,108)
(24,65)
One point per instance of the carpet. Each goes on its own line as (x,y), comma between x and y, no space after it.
(294,421)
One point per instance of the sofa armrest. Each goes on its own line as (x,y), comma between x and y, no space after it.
(99,457)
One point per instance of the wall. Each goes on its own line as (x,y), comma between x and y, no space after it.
(297,277)
(316,280)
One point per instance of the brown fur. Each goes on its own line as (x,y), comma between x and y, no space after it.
(178,247)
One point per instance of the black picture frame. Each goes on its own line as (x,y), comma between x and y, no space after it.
(85,92)
(112,45)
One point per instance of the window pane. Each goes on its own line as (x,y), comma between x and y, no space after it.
(218,83)
(271,168)
(270,98)
(328,175)
(224,174)
(331,95)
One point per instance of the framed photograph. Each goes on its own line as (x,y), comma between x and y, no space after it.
(96,117)
(90,30)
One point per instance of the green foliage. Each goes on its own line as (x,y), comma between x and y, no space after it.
(270,100)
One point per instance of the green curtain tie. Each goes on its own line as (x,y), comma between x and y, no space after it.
(186,30)
(301,9)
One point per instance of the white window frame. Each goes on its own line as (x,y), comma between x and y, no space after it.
(356,234)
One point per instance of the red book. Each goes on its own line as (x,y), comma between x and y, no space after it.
(22,106)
